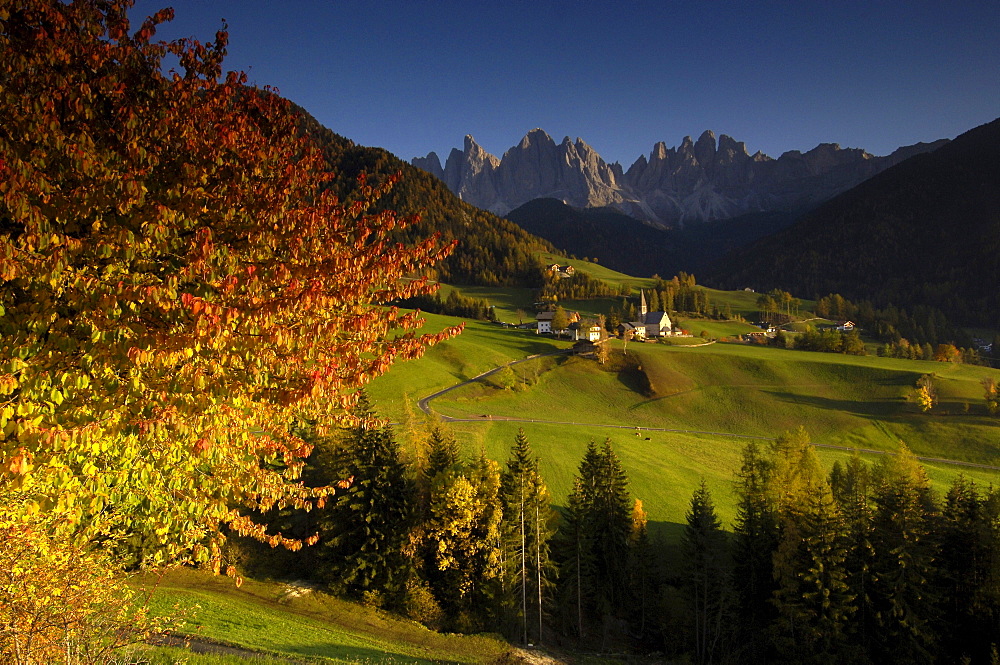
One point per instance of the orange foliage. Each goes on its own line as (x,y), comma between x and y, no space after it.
(176,285)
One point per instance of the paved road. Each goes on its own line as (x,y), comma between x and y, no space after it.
(424,405)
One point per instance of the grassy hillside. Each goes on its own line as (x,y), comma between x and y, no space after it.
(716,395)
(284,622)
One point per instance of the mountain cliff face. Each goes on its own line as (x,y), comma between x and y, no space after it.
(698,181)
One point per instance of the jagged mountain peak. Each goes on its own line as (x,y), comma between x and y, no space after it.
(711,178)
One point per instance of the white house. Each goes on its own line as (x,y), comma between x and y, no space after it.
(544,320)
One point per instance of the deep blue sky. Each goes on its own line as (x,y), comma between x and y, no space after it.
(414,76)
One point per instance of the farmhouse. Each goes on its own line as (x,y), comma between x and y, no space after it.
(589,333)
(544,320)
(564,272)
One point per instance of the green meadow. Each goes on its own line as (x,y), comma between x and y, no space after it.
(281,623)
(714,397)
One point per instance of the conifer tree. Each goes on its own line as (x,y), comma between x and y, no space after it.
(968,571)
(903,566)
(574,553)
(594,541)
(812,597)
(368,526)
(851,486)
(527,529)
(705,574)
(754,539)
(610,525)
(442,453)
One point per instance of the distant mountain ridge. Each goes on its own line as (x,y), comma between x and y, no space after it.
(703,180)
(925,232)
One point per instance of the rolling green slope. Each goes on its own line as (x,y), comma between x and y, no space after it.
(714,395)
(284,621)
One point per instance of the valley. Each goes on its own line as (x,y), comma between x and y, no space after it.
(712,398)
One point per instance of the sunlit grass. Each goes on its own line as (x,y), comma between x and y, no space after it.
(265,617)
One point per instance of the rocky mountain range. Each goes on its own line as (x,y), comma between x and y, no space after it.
(698,181)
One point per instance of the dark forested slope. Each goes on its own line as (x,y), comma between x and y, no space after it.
(491,250)
(630,246)
(926,231)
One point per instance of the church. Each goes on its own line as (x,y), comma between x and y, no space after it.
(650,324)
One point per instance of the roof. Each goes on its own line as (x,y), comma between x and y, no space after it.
(656,318)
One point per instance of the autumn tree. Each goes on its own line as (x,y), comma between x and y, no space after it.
(924,393)
(177,283)
(991,394)
(560,320)
(812,597)
(463,539)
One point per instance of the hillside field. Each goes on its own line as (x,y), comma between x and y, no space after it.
(715,396)
(282,623)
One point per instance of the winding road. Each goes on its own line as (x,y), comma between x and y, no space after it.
(424,404)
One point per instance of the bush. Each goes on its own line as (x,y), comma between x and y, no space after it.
(420,605)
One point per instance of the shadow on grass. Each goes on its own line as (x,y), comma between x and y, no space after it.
(884,409)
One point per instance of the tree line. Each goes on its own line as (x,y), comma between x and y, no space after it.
(454,304)
(864,564)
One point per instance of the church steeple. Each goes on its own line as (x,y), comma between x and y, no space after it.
(643,310)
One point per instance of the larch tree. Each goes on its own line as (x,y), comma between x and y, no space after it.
(812,597)
(528,528)
(177,285)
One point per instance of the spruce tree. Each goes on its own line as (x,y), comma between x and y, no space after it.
(366,529)
(610,525)
(968,571)
(851,486)
(575,556)
(903,566)
(705,574)
(755,536)
(594,542)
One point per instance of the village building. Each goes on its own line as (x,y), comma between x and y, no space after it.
(649,324)
(544,320)
(579,331)
(564,272)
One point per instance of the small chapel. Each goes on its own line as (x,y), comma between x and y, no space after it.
(649,324)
